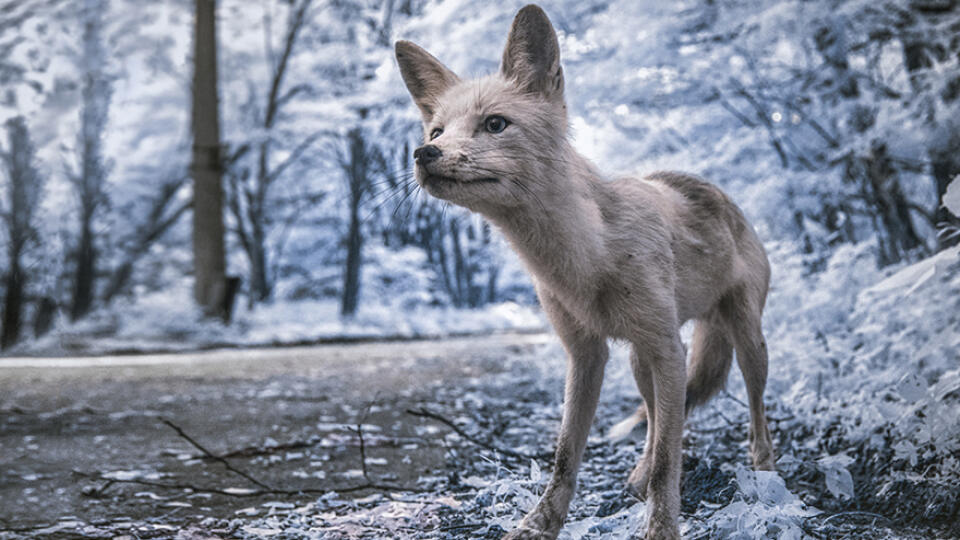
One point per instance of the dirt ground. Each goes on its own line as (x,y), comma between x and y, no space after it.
(289,414)
(130,447)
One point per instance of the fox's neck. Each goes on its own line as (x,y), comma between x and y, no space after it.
(560,234)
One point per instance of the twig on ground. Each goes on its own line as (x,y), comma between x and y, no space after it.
(98,491)
(213,456)
(249,493)
(253,451)
(730,396)
(363,446)
(704,430)
(727,420)
(265,489)
(363,452)
(423,412)
(299,444)
(857,513)
(458,527)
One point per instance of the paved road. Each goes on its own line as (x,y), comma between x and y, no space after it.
(64,416)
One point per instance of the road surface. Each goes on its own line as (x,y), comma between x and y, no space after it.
(66,421)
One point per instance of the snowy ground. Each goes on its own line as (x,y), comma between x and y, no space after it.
(168,321)
(863,400)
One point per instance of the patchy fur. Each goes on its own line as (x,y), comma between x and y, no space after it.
(629,258)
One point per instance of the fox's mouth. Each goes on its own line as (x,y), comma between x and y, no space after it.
(440,179)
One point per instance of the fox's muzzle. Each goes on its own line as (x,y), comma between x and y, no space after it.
(427,154)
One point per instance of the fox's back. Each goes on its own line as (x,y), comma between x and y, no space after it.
(712,246)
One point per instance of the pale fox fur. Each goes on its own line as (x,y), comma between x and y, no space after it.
(627,258)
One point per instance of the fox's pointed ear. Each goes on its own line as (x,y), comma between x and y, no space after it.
(532,55)
(426,78)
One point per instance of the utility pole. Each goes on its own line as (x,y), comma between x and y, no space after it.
(209,258)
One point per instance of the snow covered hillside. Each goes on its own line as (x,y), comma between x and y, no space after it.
(865,423)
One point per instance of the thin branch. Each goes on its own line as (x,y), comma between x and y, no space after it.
(857,513)
(266,490)
(764,119)
(249,493)
(733,110)
(423,412)
(297,152)
(213,456)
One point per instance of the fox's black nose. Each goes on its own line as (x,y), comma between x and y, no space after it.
(426,154)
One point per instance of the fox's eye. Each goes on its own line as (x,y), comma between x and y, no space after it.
(436,133)
(495,124)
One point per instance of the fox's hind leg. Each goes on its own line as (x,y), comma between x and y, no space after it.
(742,312)
(710,358)
(640,475)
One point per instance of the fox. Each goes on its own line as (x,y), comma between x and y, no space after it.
(625,258)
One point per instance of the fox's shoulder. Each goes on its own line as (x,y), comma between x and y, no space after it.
(703,201)
(697,191)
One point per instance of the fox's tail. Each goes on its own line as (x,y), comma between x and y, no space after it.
(710,360)
(623,428)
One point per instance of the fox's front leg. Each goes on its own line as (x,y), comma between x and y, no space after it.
(659,471)
(587,358)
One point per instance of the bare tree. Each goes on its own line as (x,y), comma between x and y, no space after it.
(209,257)
(358,163)
(89,182)
(23,189)
(923,48)
(249,192)
(163,213)
(838,130)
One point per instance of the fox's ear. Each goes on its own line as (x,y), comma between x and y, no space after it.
(426,78)
(532,55)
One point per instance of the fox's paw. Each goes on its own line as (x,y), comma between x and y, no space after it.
(662,532)
(523,533)
(536,526)
(639,480)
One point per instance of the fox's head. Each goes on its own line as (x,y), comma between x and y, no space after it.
(492,144)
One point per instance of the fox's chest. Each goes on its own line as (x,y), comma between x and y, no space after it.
(617,304)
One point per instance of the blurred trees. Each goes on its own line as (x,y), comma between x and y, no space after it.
(929,33)
(89,180)
(843,110)
(357,161)
(829,122)
(250,187)
(22,193)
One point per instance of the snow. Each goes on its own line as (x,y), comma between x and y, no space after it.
(864,363)
(169,321)
(951,199)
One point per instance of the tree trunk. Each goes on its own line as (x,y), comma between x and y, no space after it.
(351,277)
(12,306)
(85,271)
(44,315)
(356,172)
(460,278)
(23,190)
(90,183)
(260,285)
(209,257)
(891,204)
(919,53)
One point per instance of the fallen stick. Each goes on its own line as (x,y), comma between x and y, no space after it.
(423,412)
(213,456)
